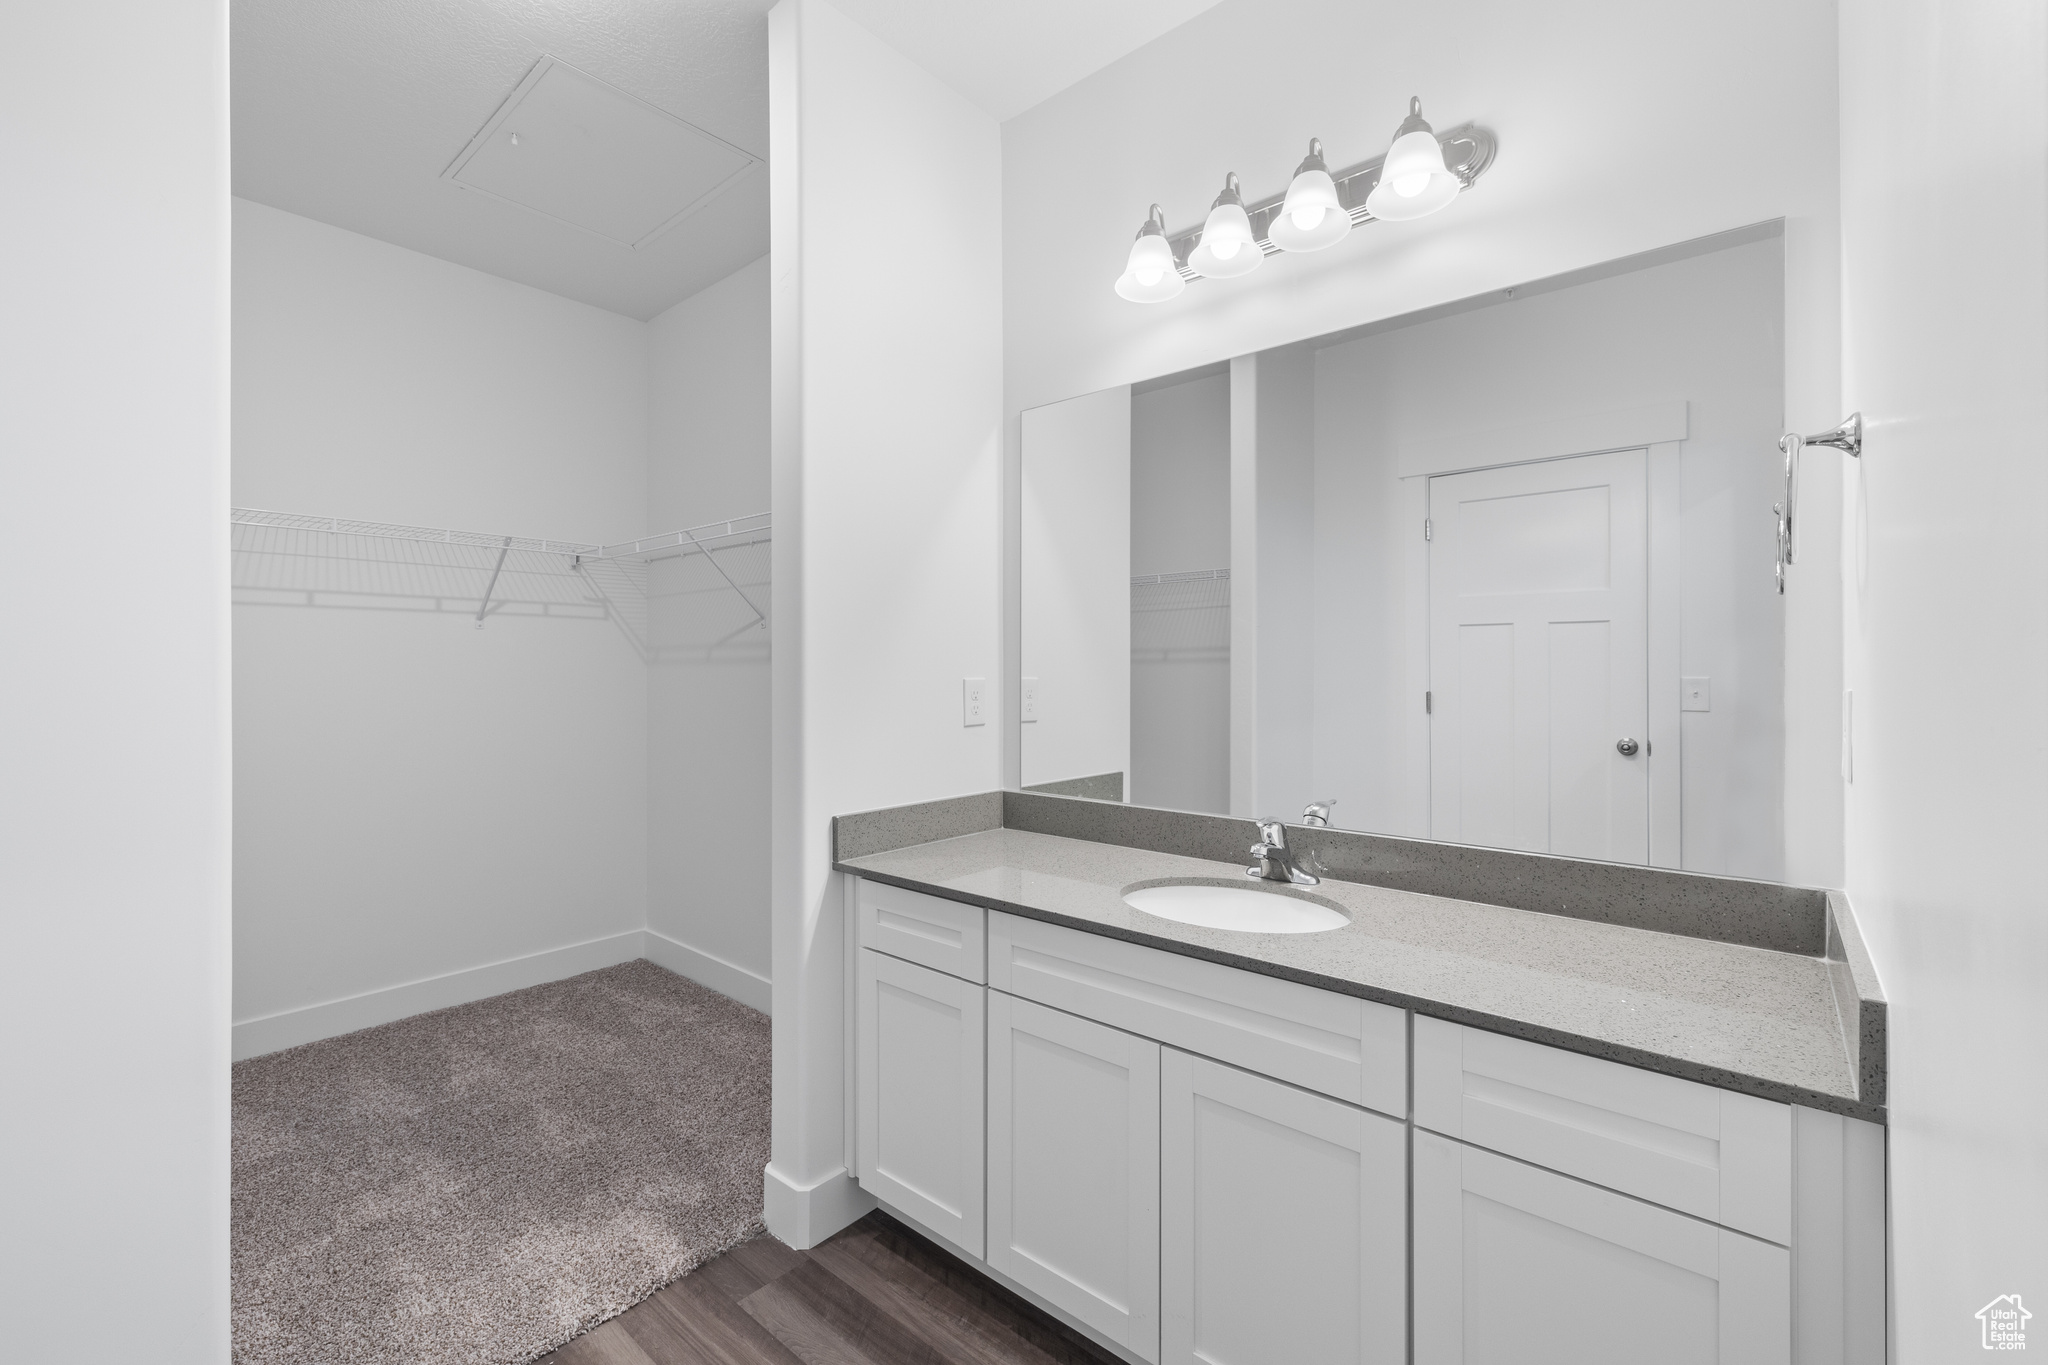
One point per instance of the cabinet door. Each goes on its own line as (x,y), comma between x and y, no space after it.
(1516,1265)
(919,1095)
(1073,1166)
(1283,1223)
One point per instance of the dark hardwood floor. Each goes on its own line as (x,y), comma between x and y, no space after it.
(876,1294)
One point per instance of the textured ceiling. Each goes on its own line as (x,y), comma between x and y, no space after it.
(348,111)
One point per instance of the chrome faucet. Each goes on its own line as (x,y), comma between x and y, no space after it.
(1316,814)
(1275,859)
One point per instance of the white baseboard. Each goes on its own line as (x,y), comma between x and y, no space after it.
(803,1215)
(290,1028)
(706,969)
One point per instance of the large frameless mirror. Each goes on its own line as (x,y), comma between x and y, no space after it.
(1498,573)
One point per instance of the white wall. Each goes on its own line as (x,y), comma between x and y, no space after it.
(887,435)
(1077,592)
(376,382)
(708,430)
(1180,476)
(1179,696)
(1946,332)
(1273,566)
(1621,130)
(114,811)
(416,798)
(1705,329)
(707,681)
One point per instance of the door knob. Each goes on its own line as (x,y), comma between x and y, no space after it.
(1626,748)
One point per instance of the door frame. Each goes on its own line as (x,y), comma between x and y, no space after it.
(1663,632)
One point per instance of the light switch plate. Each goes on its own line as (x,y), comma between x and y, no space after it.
(974,701)
(1695,694)
(1030,699)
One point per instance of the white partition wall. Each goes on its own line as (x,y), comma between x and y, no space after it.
(1946,343)
(887,424)
(114,810)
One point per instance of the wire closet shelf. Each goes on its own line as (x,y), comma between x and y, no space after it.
(681,592)
(1180,616)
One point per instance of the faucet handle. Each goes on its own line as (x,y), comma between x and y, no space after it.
(1272,833)
(1317,813)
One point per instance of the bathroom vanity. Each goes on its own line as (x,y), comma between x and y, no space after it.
(1627,1123)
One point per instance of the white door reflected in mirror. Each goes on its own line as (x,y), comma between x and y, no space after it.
(1538,655)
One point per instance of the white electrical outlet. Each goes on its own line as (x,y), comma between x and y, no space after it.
(1030,699)
(1695,694)
(974,701)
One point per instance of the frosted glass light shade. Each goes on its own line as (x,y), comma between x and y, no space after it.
(1311,217)
(1150,276)
(1226,248)
(1413,180)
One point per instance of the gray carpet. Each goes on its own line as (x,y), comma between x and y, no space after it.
(477,1185)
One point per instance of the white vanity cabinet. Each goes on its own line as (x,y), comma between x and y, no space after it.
(1073,1167)
(1198,1164)
(920,1056)
(1284,1223)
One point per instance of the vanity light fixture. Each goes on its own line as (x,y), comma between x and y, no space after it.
(1413,180)
(1151,275)
(1421,173)
(1228,248)
(1312,216)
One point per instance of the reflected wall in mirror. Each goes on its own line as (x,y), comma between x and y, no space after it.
(1498,573)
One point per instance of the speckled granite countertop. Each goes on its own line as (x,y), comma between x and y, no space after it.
(1749,1019)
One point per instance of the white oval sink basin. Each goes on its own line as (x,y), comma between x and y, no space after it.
(1247,909)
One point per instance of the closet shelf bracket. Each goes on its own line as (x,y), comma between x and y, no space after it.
(492,586)
(759,620)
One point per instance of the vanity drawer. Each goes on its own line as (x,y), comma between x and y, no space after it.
(941,934)
(1355,1050)
(1707,1152)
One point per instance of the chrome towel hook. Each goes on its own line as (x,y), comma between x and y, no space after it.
(1847,438)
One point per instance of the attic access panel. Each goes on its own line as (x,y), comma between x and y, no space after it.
(584,152)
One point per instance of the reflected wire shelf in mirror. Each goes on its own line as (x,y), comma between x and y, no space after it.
(1181,615)
(690,593)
